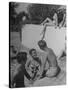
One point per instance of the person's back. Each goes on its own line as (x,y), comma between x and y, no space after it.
(51,57)
(53,69)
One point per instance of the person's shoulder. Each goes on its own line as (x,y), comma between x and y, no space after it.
(50,50)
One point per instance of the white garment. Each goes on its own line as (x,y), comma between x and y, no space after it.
(52,71)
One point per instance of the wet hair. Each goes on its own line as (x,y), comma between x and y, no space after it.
(42,43)
(31,50)
(21,56)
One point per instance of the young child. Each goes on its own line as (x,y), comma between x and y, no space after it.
(18,80)
(34,64)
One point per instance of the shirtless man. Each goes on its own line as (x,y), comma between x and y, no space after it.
(53,69)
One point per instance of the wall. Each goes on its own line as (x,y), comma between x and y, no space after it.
(55,38)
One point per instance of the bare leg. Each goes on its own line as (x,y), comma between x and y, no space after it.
(45,21)
(44,30)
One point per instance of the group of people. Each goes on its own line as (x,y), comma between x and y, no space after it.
(33,67)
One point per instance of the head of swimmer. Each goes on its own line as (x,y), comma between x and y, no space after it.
(42,44)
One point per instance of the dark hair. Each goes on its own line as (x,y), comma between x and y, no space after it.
(13,49)
(51,14)
(60,16)
(31,50)
(21,56)
(42,43)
